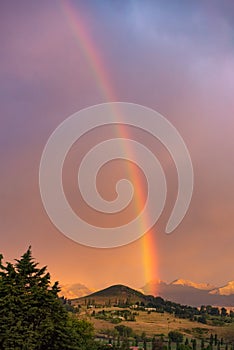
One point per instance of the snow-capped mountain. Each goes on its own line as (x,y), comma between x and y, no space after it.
(181,291)
(191,293)
(228,289)
(76,290)
(202,286)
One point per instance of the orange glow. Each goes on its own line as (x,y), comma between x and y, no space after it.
(91,53)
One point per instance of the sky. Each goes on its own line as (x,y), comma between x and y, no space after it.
(176,57)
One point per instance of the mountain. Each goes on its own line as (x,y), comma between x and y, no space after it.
(180,291)
(71,291)
(228,289)
(117,294)
(187,283)
(191,293)
(177,293)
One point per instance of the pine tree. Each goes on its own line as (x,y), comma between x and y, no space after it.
(32,315)
(211,339)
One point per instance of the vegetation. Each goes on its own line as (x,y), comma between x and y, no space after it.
(175,336)
(32,317)
(115,316)
(124,297)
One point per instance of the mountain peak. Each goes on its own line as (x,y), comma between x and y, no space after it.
(228,289)
(74,290)
(188,283)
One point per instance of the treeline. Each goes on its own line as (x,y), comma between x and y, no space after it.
(32,316)
(123,337)
(185,311)
(205,314)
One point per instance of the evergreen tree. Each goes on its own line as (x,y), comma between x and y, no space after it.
(31,314)
(157,344)
(125,344)
(211,339)
(175,336)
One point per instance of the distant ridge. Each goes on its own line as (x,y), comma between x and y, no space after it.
(192,293)
(180,291)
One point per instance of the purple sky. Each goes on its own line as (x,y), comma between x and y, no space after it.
(176,57)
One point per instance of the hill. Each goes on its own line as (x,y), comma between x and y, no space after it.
(123,296)
(149,314)
(179,291)
(115,295)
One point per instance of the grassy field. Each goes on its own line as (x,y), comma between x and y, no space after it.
(161,323)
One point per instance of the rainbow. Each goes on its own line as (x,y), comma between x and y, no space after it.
(88,49)
(92,56)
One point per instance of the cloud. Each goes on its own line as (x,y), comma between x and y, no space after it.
(174,56)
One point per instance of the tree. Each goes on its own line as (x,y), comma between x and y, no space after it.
(124,331)
(202,319)
(157,343)
(175,336)
(125,344)
(211,339)
(194,342)
(31,314)
(224,312)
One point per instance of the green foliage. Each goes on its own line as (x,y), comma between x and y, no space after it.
(157,343)
(175,336)
(115,316)
(124,331)
(183,347)
(32,315)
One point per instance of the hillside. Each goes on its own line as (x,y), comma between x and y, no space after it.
(117,294)
(149,314)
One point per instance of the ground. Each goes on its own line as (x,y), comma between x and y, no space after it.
(161,323)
